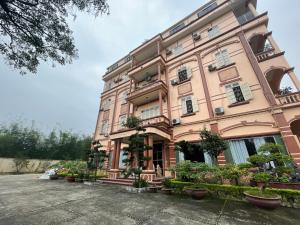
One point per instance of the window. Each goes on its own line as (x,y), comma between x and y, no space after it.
(151,112)
(238,93)
(104,128)
(189,105)
(222,58)
(177,28)
(207,9)
(241,149)
(124,96)
(178,50)
(184,73)
(213,32)
(122,120)
(106,104)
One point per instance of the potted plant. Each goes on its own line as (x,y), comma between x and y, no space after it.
(261,198)
(198,191)
(233,173)
(167,186)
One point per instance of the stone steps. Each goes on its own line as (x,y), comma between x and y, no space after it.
(128,181)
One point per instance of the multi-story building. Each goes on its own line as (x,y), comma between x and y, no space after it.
(218,68)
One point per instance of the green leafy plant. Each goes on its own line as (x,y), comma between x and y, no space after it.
(140,183)
(213,144)
(135,159)
(270,160)
(233,173)
(167,182)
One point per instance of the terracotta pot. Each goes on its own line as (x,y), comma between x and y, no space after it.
(70,179)
(199,194)
(295,186)
(264,202)
(166,191)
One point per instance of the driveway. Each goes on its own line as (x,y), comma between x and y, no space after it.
(28,201)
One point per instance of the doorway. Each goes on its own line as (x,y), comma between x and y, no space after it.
(158,156)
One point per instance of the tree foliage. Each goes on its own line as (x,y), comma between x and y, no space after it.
(37,30)
(135,151)
(17,140)
(212,143)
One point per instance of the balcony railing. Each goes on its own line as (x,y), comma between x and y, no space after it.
(151,85)
(289,98)
(159,120)
(265,55)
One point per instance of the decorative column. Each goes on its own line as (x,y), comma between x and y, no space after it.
(294,79)
(149,173)
(290,140)
(114,172)
(160,103)
(150,153)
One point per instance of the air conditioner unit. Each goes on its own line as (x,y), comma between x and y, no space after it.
(174,82)
(101,109)
(168,52)
(175,122)
(212,68)
(196,37)
(219,111)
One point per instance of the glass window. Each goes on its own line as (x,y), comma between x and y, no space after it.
(213,32)
(189,105)
(222,58)
(104,128)
(122,120)
(177,28)
(238,93)
(150,113)
(182,74)
(207,8)
(240,150)
(178,50)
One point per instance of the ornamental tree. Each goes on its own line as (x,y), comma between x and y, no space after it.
(213,144)
(135,159)
(36,30)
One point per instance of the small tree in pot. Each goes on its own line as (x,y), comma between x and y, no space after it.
(272,164)
(135,159)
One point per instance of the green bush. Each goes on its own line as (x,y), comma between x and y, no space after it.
(140,183)
(232,173)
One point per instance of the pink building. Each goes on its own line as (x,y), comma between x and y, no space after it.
(218,68)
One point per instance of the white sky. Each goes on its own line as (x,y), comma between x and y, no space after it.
(68,96)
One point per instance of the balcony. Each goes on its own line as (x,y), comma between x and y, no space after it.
(148,93)
(160,121)
(267,54)
(289,98)
(148,66)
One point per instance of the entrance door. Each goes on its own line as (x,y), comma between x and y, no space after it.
(157,156)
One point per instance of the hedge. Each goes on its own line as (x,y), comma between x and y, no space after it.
(290,198)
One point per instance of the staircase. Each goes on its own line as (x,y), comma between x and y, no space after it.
(129,181)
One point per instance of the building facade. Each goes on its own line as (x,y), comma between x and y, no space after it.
(218,68)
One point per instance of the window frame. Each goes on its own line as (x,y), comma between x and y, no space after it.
(213,32)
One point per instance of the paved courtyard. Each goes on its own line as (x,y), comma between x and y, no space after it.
(28,201)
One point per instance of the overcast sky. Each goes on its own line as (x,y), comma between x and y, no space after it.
(68,96)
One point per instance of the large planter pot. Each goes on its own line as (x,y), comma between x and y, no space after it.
(295,186)
(70,179)
(166,191)
(265,202)
(199,194)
